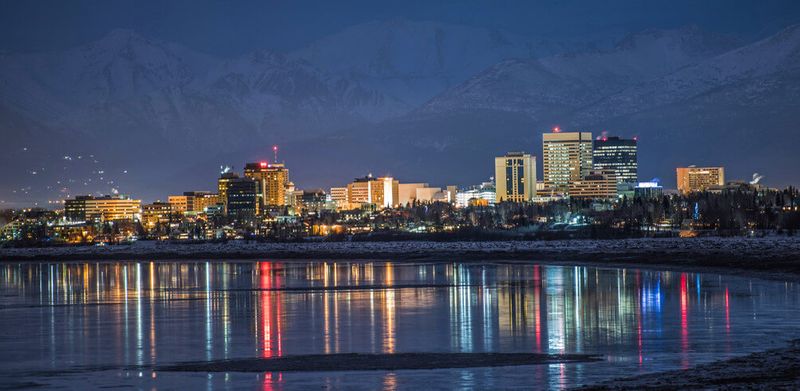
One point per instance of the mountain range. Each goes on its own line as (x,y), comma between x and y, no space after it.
(423,101)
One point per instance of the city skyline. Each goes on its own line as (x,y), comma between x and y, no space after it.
(556,134)
(157,108)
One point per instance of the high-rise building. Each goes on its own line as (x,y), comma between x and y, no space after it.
(105,208)
(272,180)
(566,158)
(382,192)
(597,185)
(242,201)
(222,188)
(620,155)
(515,177)
(692,178)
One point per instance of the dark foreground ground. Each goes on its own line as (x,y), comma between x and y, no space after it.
(390,362)
(777,369)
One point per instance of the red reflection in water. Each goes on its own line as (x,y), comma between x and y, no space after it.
(727,311)
(270,321)
(684,321)
(270,379)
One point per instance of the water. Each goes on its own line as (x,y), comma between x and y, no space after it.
(101,324)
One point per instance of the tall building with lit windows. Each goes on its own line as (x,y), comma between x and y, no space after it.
(272,180)
(693,178)
(515,177)
(223,183)
(619,155)
(241,200)
(566,158)
(382,192)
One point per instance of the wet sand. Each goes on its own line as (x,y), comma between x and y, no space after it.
(776,369)
(390,362)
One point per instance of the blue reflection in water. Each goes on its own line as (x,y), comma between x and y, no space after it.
(145,313)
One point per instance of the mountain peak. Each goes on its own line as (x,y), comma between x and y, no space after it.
(690,38)
(118,37)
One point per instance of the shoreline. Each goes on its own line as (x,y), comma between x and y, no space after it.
(770,369)
(769,258)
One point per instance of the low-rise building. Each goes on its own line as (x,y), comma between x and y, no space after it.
(600,184)
(693,178)
(104,208)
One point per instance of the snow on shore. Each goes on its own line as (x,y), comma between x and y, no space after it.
(785,247)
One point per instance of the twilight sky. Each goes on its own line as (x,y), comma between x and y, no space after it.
(235,27)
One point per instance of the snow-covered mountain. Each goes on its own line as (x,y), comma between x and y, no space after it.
(127,84)
(748,75)
(555,85)
(412,61)
(693,98)
(411,98)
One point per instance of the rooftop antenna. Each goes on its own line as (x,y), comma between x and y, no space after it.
(275,152)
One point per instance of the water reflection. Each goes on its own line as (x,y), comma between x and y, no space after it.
(142,313)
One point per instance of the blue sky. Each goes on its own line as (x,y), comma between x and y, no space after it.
(218,27)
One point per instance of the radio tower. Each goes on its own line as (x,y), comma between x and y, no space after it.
(275,152)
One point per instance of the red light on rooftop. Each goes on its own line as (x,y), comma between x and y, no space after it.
(556,130)
(262,164)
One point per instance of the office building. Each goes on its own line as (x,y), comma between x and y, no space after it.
(101,209)
(155,214)
(692,178)
(566,158)
(515,177)
(199,201)
(597,185)
(620,155)
(272,179)
(222,188)
(242,200)
(381,192)
(180,203)
(340,198)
